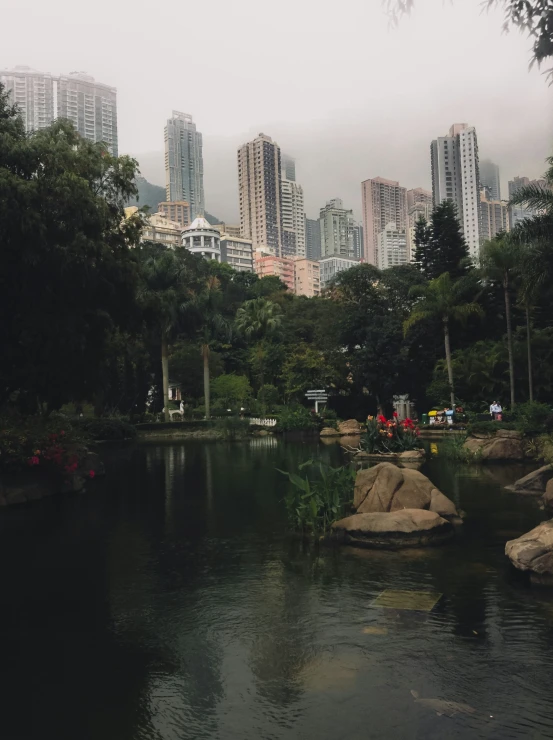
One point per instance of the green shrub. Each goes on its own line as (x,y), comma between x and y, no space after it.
(268,395)
(105,429)
(232,427)
(531,417)
(489,427)
(297,418)
(320,498)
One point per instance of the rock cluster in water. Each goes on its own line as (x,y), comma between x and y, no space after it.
(506,444)
(532,553)
(396,507)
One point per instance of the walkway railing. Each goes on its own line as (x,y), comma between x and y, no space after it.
(264,422)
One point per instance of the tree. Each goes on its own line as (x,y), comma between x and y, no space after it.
(534,17)
(257,320)
(67,276)
(445,249)
(165,293)
(501,260)
(232,390)
(442,298)
(422,236)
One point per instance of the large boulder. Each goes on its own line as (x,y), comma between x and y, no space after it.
(330,432)
(405,528)
(351,426)
(533,552)
(534,483)
(548,495)
(505,445)
(387,488)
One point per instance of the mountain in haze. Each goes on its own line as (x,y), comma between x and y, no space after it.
(152,195)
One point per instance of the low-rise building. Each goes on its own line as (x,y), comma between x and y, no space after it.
(202,238)
(237,252)
(158,228)
(267,263)
(230,229)
(332,266)
(307,279)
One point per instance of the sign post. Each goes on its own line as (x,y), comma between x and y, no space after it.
(318,396)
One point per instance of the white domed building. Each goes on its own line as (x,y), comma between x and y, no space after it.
(202,238)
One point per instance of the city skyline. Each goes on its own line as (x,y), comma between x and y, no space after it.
(339,129)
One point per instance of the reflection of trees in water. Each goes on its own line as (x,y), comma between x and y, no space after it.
(283,645)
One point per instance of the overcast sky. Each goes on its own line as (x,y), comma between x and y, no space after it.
(332,82)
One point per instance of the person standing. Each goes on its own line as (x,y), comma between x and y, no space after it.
(498,412)
(493,407)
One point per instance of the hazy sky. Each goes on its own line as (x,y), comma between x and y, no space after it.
(338,88)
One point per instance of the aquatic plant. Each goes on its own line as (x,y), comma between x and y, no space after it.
(319,498)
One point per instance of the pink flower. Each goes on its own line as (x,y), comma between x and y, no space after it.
(91,474)
(33,460)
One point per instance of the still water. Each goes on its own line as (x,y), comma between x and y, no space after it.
(168,603)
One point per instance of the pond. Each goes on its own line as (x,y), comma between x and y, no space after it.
(169,603)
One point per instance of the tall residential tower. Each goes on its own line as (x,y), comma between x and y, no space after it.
(33,92)
(384,202)
(259,186)
(456,177)
(184,164)
(336,224)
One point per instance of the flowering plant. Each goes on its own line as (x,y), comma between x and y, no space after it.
(390,435)
(33,443)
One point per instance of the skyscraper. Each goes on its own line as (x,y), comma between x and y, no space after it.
(392,247)
(184,165)
(358,245)
(494,216)
(489,178)
(336,224)
(456,177)
(259,186)
(293,218)
(383,202)
(312,239)
(33,93)
(288,166)
(90,106)
(517,213)
(419,205)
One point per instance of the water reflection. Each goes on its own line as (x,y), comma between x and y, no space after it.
(169,603)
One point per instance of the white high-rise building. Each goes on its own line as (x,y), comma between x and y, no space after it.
(489,179)
(293,218)
(392,247)
(337,225)
(90,106)
(456,177)
(184,164)
(33,92)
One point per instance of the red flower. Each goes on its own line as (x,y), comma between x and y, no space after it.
(33,460)
(395,414)
(91,474)
(382,419)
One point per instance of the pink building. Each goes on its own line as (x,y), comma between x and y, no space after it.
(269,264)
(384,202)
(306,277)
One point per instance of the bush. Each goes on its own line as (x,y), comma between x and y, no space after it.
(320,498)
(233,427)
(531,417)
(105,429)
(390,435)
(489,427)
(268,395)
(41,444)
(296,419)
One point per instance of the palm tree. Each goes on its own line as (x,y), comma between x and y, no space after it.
(501,261)
(164,295)
(442,298)
(257,319)
(208,303)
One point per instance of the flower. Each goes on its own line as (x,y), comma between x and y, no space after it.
(37,452)
(91,474)
(382,419)
(62,433)
(390,435)
(33,460)
(395,414)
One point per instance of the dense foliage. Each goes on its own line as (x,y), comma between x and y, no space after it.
(93,316)
(390,435)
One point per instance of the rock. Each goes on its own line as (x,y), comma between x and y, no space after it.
(412,455)
(351,426)
(501,447)
(330,432)
(534,483)
(388,488)
(405,528)
(533,552)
